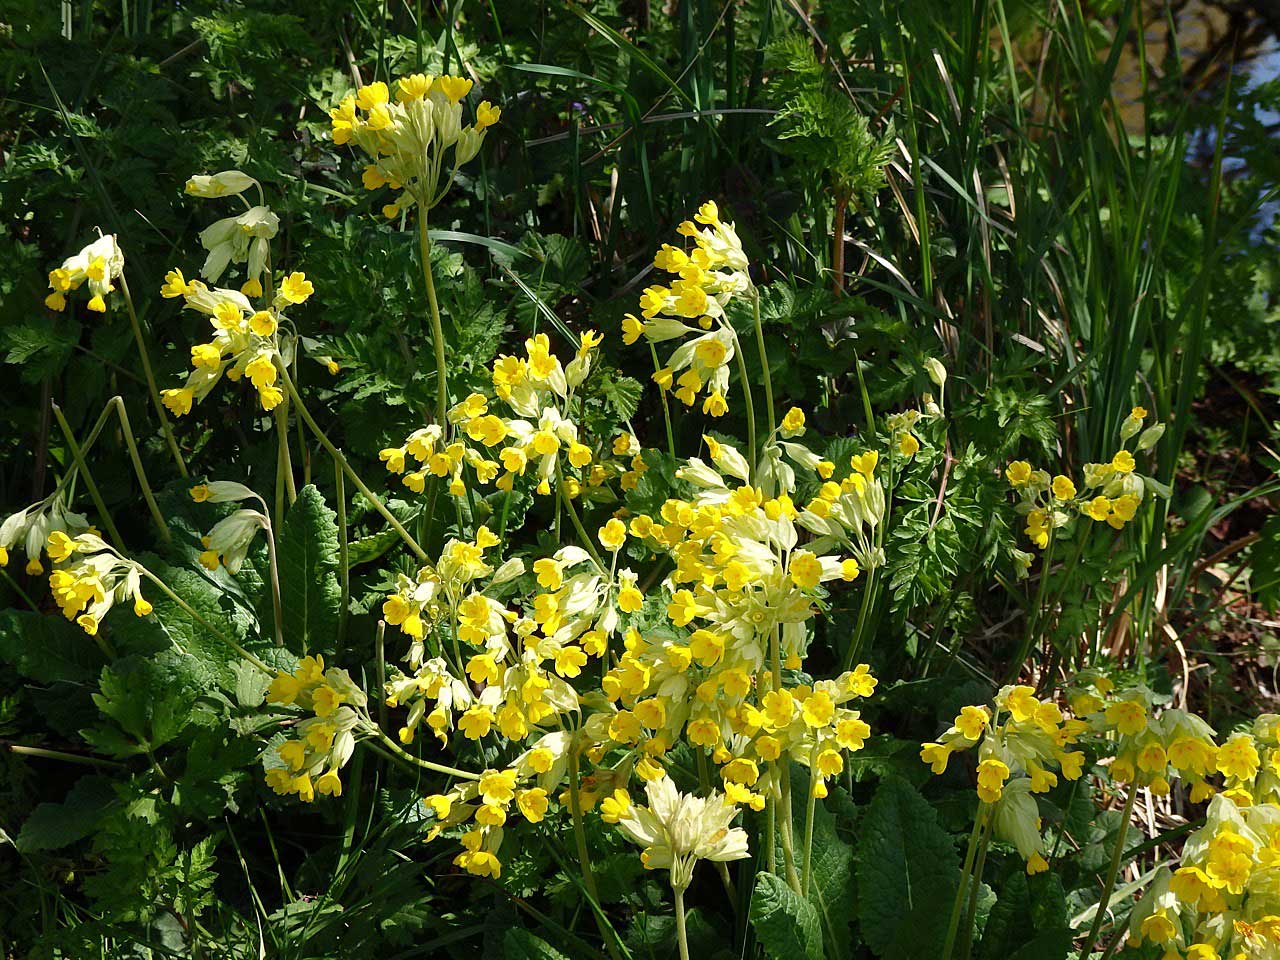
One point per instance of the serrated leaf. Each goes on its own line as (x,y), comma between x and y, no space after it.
(785,923)
(52,826)
(310,594)
(908,872)
(623,394)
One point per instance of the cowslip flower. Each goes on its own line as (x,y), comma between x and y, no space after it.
(98,265)
(677,830)
(406,138)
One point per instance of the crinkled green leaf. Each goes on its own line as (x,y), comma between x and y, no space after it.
(310,594)
(785,923)
(907,875)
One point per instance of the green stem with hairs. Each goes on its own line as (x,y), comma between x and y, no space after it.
(132,447)
(341,460)
(764,362)
(398,751)
(953,926)
(751,409)
(437,329)
(682,935)
(165,426)
(569,508)
(810,811)
(584,853)
(191,612)
(666,407)
(89,483)
(1112,872)
(344,555)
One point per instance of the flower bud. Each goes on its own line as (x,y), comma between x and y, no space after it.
(224,184)
(937,372)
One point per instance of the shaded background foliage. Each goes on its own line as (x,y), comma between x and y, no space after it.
(1069,239)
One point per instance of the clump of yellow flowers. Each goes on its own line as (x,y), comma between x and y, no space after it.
(707,277)
(573,681)
(1107,493)
(98,265)
(407,137)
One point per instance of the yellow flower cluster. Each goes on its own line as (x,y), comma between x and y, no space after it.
(31,528)
(1220,902)
(89,578)
(308,762)
(538,437)
(245,341)
(407,137)
(1020,746)
(708,277)
(1108,493)
(98,265)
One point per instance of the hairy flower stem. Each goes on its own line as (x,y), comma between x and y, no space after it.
(344,560)
(682,936)
(783,765)
(953,927)
(808,821)
(132,447)
(983,846)
(584,854)
(437,329)
(1112,872)
(569,508)
(1034,615)
(273,567)
(89,483)
(165,426)
(341,460)
(284,462)
(751,409)
(764,363)
(191,612)
(666,407)
(399,752)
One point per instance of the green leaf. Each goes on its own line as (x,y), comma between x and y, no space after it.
(47,648)
(623,394)
(831,889)
(150,698)
(520,944)
(785,923)
(309,588)
(171,626)
(907,875)
(52,826)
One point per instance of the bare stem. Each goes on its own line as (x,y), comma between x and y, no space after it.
(89,483)
(132,446)
(165,426)
(437,330)
(341,460)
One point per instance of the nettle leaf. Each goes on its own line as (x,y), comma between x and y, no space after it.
(52,826)
(785,923)
(908,872)
(309,588)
